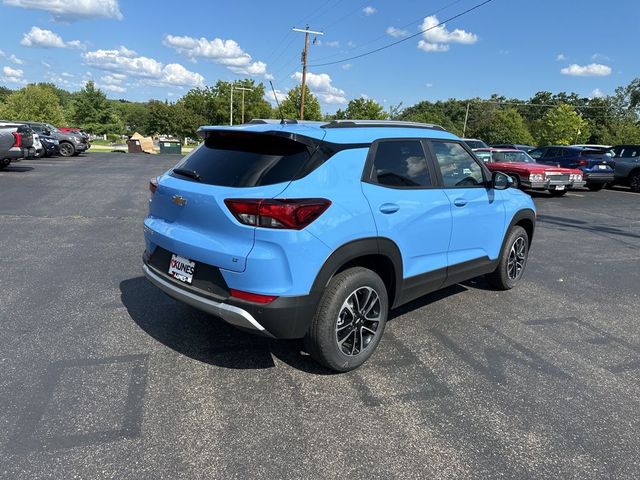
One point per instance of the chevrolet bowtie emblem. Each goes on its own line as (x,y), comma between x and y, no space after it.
(178,200)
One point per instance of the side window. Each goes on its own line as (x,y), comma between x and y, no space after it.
(401,163)
(553,153)
(458,167)
(537,153)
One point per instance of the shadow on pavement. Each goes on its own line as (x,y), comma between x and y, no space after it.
(11,169)
(206,338)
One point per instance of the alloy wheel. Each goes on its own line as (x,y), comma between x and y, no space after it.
(517,258)
(66,149)
(358,321)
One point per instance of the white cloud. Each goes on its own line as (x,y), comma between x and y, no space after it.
(111,88)
(591,70)
(597,93)
(369,10)
(428,85)
(561,57)
(346,66)
(332,44)
(320,85)
(67,74)
(351,44)
(271,97)
(396,32)
(437,38)
(113,79)
(72,10)
(599,57)
(2,54)
(224,52)
(127,62)
(42,38)
(45,64)
(16,60)
(13,75)
(433,47)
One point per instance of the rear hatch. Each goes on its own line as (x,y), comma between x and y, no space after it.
(596,159)
(188,214)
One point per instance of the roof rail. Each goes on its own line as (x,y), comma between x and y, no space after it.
(380,123)
(272,120)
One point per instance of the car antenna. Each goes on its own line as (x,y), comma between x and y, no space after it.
(282,122)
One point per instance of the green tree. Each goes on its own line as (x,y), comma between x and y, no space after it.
(505,125)
(93,112)
(4,93)
(291,105)
(362,109)
(159,120)
(35,103)
(561,125)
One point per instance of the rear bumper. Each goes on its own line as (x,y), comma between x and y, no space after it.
(284,318)
(229,313)
(598,177)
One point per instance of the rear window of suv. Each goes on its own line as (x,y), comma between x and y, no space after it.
(241,159)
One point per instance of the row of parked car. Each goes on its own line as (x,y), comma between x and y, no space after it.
(20,140)
(557,168)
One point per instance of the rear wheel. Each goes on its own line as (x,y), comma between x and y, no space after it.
(634,181)
(350,319)
(557,193)
(512,261)
(595,187)
(66,149)
(4,163)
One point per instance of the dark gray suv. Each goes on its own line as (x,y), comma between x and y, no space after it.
(627,170)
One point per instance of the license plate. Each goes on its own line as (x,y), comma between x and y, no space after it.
(181,268)
(559,187)
(602,167)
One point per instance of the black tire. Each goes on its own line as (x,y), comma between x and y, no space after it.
(504,277)
(516,182)
(335,335)
(595,187)
(558,193)
(634,181)
(66,149)
(4,163)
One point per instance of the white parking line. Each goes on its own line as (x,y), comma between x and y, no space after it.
(574,195)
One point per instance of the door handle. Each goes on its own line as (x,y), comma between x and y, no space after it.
(389,208)
(459,202)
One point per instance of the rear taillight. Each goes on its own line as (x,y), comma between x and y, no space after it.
(252,297)
(18,141)
(583,162)
(294,214)
(153,185)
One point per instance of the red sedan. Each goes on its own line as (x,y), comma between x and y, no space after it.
(527,174)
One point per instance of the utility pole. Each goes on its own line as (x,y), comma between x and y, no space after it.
(466,117)
(231,107)
(243,89)
(306,32)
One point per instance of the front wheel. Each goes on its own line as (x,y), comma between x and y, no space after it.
(595,187)
(4,163)
(66,149)
(349,321)
(634,182)
(512,261)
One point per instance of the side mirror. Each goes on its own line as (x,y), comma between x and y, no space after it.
(47,132)
(502,181)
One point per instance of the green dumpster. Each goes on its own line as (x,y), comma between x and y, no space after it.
(171,146)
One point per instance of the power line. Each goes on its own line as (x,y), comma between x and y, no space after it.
(359,47)
(384,47)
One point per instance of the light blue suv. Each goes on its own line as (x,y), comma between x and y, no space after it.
(315,231)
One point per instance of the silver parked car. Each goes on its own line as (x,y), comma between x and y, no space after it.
(627,170)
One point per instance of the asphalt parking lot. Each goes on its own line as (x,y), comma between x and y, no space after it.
(103,376)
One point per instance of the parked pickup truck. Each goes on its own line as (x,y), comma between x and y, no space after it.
(16,142)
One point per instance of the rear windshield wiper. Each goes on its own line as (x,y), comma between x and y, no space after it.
(188,173)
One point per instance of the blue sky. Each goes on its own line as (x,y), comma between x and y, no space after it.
(141,49)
